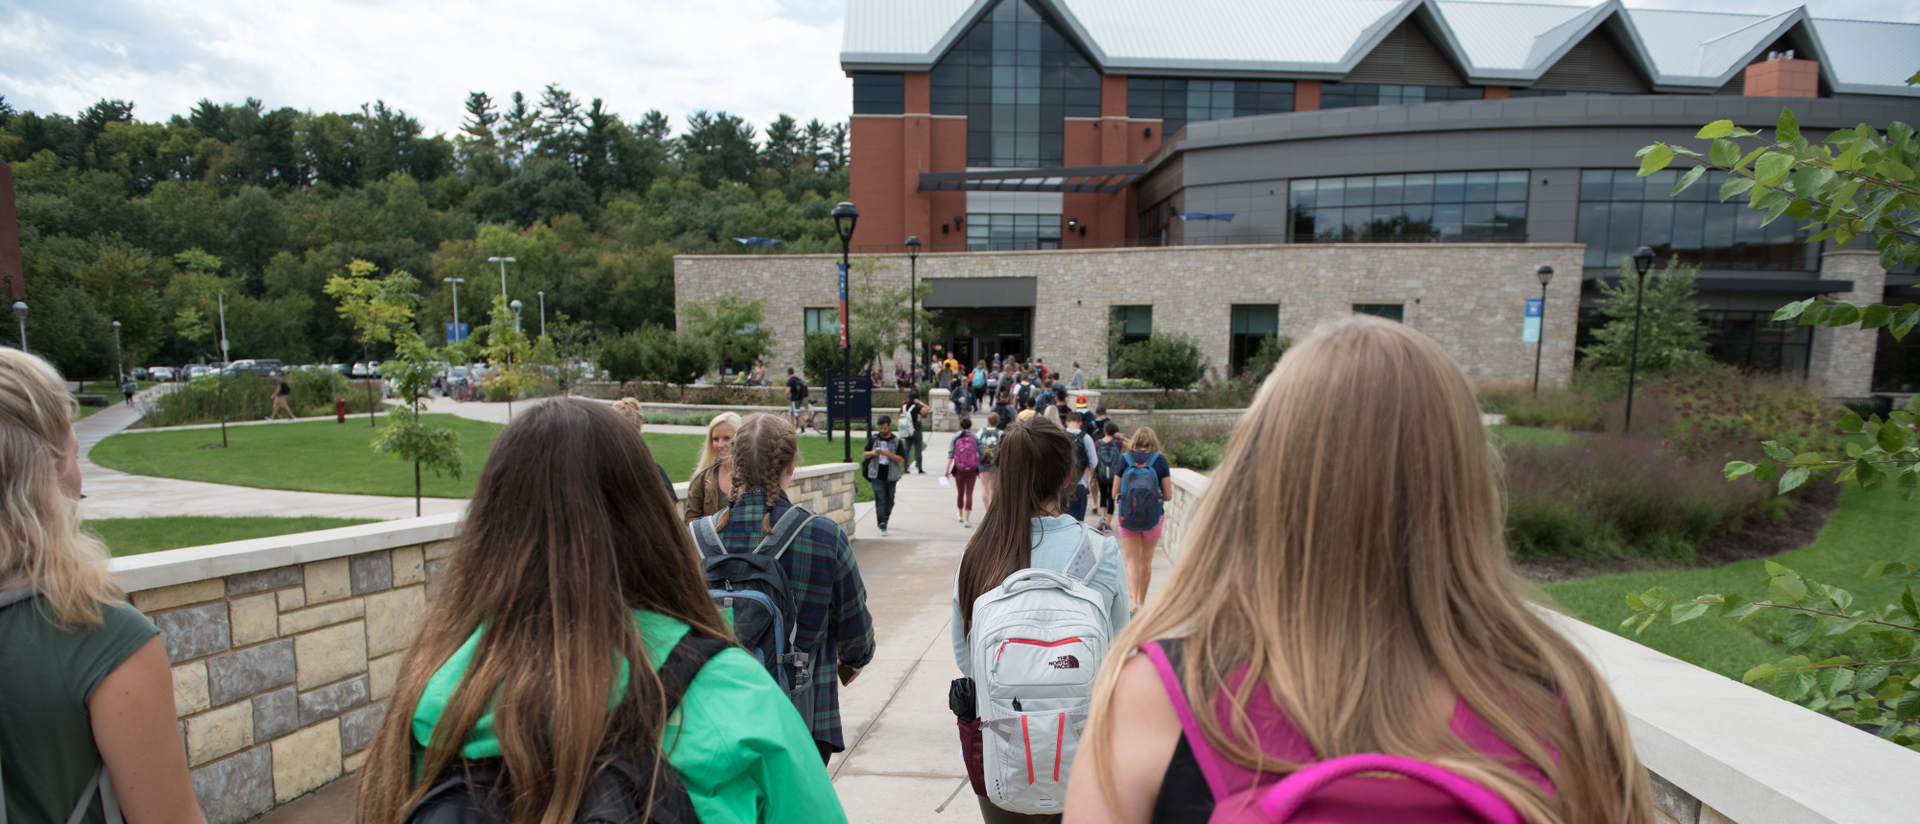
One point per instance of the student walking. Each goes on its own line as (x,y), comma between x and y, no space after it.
(883,462)
(833,627)
(963,466)
(1141,486)
(1086,455)
(914,414)
(711,489)
(1110,447)
(1026,685)
(796,397)
(85,686)
(1354,614)
(282,393)
(989,451)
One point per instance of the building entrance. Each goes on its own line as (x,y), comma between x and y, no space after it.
(973,334)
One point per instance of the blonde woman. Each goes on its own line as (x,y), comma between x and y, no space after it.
(632,412)
(1358,603)
(84,679)
(711,489)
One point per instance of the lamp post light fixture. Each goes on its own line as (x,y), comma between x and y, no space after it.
(503,261)
(1642,261)
(913,298)
(543,313)
(1546,276)
(516,306)
(119,370)
(20,312)
(845,216)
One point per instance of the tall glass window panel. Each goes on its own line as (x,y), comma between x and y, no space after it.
(1335,95)
(879,93)
(1447,206)
(1252,325)
(1178,101)
(991,232)
(822,320)
(1621,211)
(1127,325)
(1754,341)
(1016,80)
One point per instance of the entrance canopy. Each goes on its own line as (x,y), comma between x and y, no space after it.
(1094,179)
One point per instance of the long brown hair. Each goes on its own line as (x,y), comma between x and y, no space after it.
(1370,578)
(1034,462)
(764,448)
(570,528)
(40,537)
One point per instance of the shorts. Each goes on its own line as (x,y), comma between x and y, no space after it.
(795,408)
(1149,535)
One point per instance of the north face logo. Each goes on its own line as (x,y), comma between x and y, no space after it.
(1065,662)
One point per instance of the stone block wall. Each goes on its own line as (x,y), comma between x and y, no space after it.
(281,674)
(1188,487)
(1842,359)
(1468,297)
(828,490)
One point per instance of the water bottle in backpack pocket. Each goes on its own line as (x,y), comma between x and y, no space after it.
(1035,646)
(1139,501)
(753,587)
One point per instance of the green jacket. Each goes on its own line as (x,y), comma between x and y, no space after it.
(738,744)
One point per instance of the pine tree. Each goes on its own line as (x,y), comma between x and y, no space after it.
(1672,338)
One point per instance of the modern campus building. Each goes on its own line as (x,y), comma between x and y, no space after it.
(1244,167)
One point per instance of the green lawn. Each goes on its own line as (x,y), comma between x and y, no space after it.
(1527,436)
(108,388)
(331,457)
(133,536)
(1868,526)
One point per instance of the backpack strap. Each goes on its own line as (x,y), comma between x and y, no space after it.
(784,531)
(1086,558)
(1203,753)
(706,538)
(685,662)
(9,598)
(101,783)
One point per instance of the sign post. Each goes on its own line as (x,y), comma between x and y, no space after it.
(456,332)
(848,400)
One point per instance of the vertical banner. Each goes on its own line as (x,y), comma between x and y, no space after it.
(1530,328)
(843,306)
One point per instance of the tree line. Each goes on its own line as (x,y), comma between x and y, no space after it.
(156,223)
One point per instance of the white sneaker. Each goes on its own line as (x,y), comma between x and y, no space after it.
(967,524)
(883,532)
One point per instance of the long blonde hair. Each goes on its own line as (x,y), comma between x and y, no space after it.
(1369,576)
(40,537)
(707,456)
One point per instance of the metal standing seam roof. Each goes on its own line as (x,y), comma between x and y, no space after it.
(1491,43)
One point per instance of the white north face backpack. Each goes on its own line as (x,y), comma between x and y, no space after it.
(1036,644)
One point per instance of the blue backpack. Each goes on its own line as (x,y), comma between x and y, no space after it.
(1139,494)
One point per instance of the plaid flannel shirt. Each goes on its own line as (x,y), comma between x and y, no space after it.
(825,582)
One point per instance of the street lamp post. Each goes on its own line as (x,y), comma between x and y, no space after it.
(503,261)
(456,306)
(221,378)
(119,370)
(543,314)
(516,306)
(20,311)
(845,216)
(512,389)
(1642,261)
(1546,276)
(913,299)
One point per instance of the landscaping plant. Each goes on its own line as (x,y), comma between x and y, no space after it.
(1167,361)
(377,307)
(405,436)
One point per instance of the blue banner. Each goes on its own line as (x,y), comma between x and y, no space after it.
(1530,328)
(456,332)
(843,306)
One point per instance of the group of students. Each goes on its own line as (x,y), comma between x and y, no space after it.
(1340,641)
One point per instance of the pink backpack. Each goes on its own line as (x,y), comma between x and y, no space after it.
(966,453)
(1328,792)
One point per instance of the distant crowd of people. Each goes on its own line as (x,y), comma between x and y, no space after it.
(1339,637)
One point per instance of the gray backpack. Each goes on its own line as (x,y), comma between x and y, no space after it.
(100,782)
(1036,644)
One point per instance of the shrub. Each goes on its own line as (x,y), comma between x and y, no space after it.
(1198,448)
(245,399)
(1167,361)
(1554,408)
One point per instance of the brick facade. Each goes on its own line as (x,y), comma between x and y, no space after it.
(1469,297)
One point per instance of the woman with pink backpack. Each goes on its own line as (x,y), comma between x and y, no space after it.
(1341,641)
(963,466)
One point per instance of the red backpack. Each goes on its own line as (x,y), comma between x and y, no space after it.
(966,453)
(1333,791)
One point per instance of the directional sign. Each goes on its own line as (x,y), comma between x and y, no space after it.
(1530,328)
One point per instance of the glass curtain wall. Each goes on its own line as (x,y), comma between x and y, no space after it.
(1456,206)
(988,232)
(1620,212)
(1335,95)
(1016,80)
(1756,342)
(1178,101)
(1252,325)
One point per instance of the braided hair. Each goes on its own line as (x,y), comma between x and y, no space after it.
(764,447)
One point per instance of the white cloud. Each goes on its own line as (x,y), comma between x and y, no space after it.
(753,58)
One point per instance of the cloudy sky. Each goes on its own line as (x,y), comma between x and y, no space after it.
(755,58)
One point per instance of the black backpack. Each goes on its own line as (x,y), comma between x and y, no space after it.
(476,791)
(754,586)
(1109,458)
(1079,453)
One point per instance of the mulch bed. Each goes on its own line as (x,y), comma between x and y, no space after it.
(1763,539)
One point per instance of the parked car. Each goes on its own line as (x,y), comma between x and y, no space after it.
(197,370)
(138,373)
(261,367)
(161,373)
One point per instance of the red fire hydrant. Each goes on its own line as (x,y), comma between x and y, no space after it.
(340,409)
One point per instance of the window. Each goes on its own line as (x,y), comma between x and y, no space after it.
(988,232)
(1896,364)
(1130,325)
(1555,93)
(1445,206)
(823,321)
(1755,341)
(1390,311)
(1178,101)
(1252,325)
(1347,95)
(1621,211)
(1016,79)
(877,93)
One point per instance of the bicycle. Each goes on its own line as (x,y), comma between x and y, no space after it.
(807,418)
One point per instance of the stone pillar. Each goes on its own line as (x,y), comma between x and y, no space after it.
(1842,360)
(943,420)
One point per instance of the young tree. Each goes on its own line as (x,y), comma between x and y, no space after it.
(1167,360)
(678,358)
(377,307)
(881,315)
(1672,338)
(508,352)
(733,327)
(822,355)
(405,436)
